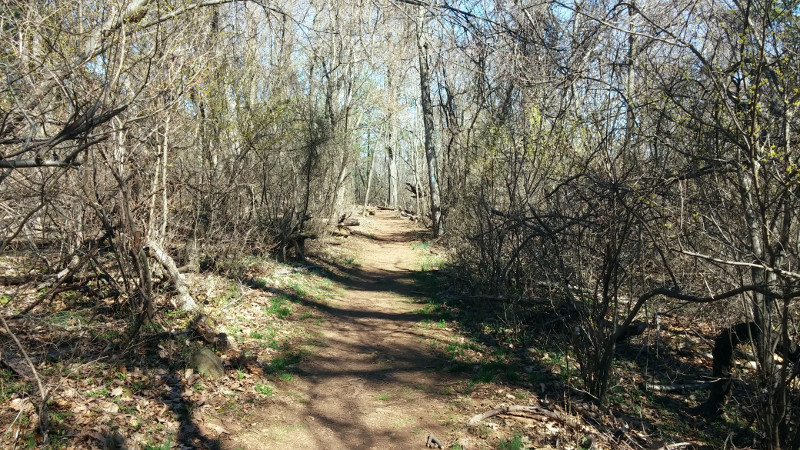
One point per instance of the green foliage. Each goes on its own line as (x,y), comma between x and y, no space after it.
(280,306)
(9,384)
(423,245)
(163,446)
(286,376)
(281,363)
(99,393)
(264,389)
(514,443)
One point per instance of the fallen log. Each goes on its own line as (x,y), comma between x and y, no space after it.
(349,222)
(17,364)
(297,241)
(16,280)
(185,300)
(678,387)
(76,263)
(476,419)
(433,442)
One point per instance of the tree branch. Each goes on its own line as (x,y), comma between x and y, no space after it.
(786,273)
(33,162)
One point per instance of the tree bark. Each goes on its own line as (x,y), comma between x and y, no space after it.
(391,146)
(185,300)
(369,174)
(427,120)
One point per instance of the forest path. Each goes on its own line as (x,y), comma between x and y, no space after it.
(372,381)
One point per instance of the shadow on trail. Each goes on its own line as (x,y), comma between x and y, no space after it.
(400,235)
(389,352)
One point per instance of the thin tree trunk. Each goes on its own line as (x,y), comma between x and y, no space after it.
(165,208)
(391,147)
(369,174)
(416,178)
(427,120)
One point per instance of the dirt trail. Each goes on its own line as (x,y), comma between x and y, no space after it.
(372,383)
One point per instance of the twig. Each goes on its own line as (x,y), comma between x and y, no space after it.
(44,419)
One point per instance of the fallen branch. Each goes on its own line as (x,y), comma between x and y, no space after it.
(16,280)
(44,417)
(679,446)
(432,442)
(676,387)
(349,222)
(476,419)
(185,300)
(54,283)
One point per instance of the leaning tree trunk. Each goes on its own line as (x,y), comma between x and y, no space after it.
(427,120)
(185,300)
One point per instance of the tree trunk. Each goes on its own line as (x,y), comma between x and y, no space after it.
(427,120)
(724,346)
(369,174)
(391,147)
(185,300)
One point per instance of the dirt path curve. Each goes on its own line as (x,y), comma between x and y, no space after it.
(372,382)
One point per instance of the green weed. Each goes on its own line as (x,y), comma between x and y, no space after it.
(279,306)
(514,443)
(284,376)
(265,389)
(163,446)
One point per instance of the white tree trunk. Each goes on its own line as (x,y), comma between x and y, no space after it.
(184,300)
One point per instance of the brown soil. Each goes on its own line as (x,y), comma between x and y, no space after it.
(372,383)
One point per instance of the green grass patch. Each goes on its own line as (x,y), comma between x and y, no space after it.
(514,443)
(285,376)
(300,290)
(98,393)
(279,306)
(281,364)
(10,385)
(163,446)
(264,389)
(421,246)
